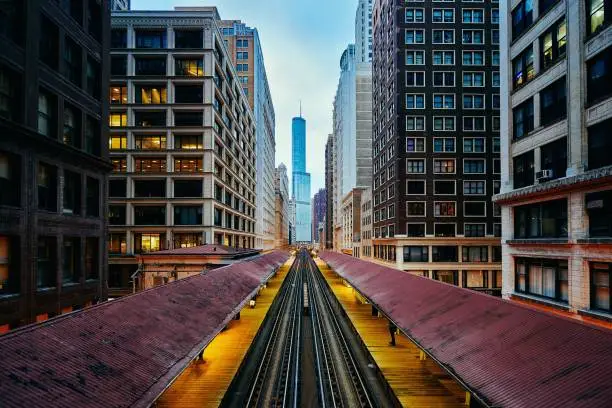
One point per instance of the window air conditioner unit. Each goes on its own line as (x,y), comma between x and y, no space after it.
(544,175)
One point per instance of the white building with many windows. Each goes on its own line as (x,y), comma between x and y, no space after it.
(556,192)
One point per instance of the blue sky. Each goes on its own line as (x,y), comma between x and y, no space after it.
(302,42)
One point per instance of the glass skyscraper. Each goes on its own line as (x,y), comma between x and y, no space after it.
(300,182)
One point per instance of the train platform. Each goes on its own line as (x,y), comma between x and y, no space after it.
(417,382)
(204,382)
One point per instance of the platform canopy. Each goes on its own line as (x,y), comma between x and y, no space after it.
(506,354)
(125,352)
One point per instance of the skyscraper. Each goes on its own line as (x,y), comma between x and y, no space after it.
(182,138)
(281,190)
(363,31)
(556,193)
(246,52)
(329,192)
(300,181)
(53,158)
(319,208)
(118,5)
(436,140)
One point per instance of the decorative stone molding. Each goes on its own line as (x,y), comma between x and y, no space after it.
(599,112)
(598,43)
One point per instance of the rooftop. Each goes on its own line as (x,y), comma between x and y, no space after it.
(208,250)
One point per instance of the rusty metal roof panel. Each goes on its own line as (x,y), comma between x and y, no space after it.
(507,354)
(125,352)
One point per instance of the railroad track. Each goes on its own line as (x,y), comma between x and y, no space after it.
(339,380)
(306,347)
(276,380)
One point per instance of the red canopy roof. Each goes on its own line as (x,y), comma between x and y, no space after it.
(125,352)
(507,354)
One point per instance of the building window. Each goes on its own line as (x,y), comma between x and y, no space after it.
(188,142)
(188,118)
(71,257)
(495,58)
(416,254)
(119,165)
(443,36)
(188,165)
(93,78)
(415,187)
(414,37)
(523,119)
(444,123)
(553,157)
(150,165)
(523,170)
(150,142)
(117,142)
(150,118)
(10,179)
(443,15)
(444,58)
(523,69)
(93,197)
(46,262)
(150,38)
(71,135)
(415,208)
(553,104)
(9,94)
(472,16)
(118,38)
(187,215)
(48,47)
(72,62)
(116,214)
(474,209)
(444,144)
(553,44)
(144,243)
(473,36)
(473,145)
(443,78)
(599,77)
(188,39)
(415,101)
(522,17)
(475,187)
(71,193)
(149,188)
(415,166)
(601,295)
(542,277)
(415,123)
(152,66)
(475,254)
(474,123)
(9,265)
(444,166)
(473,79)
(189,67)
(545,5)
(150,94)
(117,119)
(117,188)
(473,166)
(541,220)
(118,65)
(495,79)
(599,15)
(187,240)
(443,101)
(475,279)
(494,16)
(600,144)
(474,230)
(445,209)
(444,187)
(188,94)
(599,209)
(415,230)
(91,258)
(444,254)
(415,15)
(46,179)
(415,144)
(46,114)
(118,95)
(473,58)
(471,101)
(149,215)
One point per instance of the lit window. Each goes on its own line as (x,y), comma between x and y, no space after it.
(118,119)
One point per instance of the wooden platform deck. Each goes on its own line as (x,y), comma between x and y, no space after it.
(204,383)
(417,383)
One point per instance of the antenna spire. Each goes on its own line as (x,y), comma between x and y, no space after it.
(300,108)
